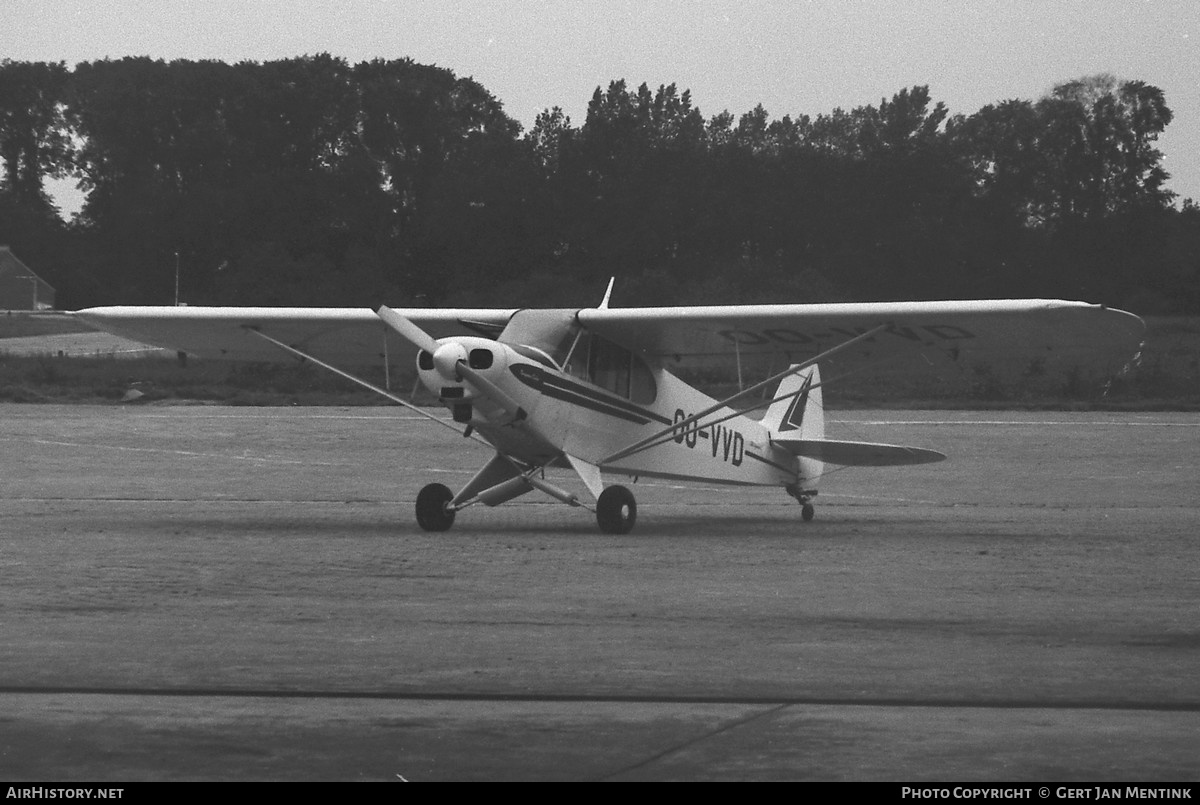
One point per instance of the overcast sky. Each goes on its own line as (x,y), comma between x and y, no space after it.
(793,57)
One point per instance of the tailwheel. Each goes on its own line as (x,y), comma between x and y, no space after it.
(616,510)
(804,498)
(432,513)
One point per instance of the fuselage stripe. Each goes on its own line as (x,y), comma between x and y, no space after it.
(593,404)
(560,388)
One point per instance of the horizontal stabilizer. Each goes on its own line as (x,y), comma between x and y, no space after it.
(859,454)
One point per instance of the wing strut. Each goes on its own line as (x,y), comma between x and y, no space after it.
(387,368)
(361,382)
(669,433)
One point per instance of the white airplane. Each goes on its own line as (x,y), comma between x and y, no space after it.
(591,389)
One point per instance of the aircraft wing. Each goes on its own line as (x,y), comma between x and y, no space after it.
(1022,335)
(341,336)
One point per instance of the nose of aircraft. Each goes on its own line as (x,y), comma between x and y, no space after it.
(446,358)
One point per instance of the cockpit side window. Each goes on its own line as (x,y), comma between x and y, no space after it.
(642,388)
(611,367)
(608,366)
(575,355)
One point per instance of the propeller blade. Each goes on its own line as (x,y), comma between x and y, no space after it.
(407,330)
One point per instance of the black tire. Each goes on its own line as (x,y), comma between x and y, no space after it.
(432,514)
(807,512)
(616,510)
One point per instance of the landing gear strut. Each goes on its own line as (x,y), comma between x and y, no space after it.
(432,513)
(616,510)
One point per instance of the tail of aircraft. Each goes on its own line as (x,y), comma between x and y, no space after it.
(798,411)
(797,423)
(798,417)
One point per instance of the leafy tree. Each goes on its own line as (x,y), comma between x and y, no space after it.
(311,180)
(34,139)
(1100,136)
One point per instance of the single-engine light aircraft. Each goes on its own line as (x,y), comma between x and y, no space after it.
(591,389)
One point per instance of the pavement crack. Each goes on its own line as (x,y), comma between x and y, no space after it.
(734,724)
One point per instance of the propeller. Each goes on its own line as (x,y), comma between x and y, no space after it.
(450,358)
(409,331)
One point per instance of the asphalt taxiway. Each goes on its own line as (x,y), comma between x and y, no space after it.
(222,593)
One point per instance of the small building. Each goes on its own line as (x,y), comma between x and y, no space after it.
(20,288)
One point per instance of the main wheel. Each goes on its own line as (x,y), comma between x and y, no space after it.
(807,512)
(616,510)
(432,514)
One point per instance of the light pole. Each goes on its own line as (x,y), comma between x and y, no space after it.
(176,279)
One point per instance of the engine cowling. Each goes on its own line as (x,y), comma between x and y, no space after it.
(439,370)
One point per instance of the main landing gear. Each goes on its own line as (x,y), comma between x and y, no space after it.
(616,510)
(433,513)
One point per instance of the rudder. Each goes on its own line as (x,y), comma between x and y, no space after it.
(798,411)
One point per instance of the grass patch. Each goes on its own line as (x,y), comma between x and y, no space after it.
(21,324)
(155,379)
(158,379)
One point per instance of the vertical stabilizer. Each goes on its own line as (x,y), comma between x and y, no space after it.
(798,412)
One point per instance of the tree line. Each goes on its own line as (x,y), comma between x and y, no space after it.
(313,181)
